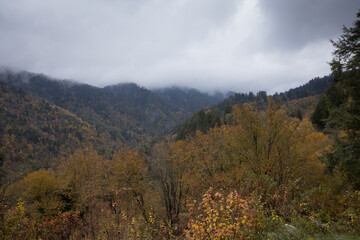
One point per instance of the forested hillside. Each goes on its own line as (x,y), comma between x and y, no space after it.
(208,186)
(313,87)
(298,102)
(34,132)
(127,112)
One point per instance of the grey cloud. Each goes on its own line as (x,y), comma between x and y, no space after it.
(293,23)
(210,44)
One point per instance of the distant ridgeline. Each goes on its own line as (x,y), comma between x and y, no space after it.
(126,111)
(204,120)
(191,100)
(313,87)
(42,118)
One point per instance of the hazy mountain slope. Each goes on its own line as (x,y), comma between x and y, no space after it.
(126,111)
(33,131)
(189,99)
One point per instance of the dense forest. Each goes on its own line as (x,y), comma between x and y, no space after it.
(296,102)
(80,162)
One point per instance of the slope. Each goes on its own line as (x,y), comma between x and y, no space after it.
(34,131)
(298,102)
(126,111)
(189,99)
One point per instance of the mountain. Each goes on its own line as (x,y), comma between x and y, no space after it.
(313,87)
(34,131)
(189,99)
(42,117)
(127,112)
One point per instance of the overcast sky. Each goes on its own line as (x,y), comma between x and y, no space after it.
(243,45)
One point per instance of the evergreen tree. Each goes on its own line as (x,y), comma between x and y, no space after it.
(345,102)
(321,114)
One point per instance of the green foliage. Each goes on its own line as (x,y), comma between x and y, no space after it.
(341,105)
(240,98)
(345,154)
(321,113)
(200,121)
(314,87)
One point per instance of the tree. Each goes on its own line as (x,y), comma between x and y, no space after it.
(220,216)
(321,113)
(84,174)
(168,167)
(200,121)
(270,144)
(43,193)
(210,161)
(262,141)
(346,67)
(129,172)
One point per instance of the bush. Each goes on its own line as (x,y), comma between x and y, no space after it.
(220,216)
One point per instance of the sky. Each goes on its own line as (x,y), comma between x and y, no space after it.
(236,45)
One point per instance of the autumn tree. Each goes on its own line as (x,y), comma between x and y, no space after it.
(43,193)
(224,216)
(85,179)
(269,143)
(167,168)
(211,162)
(129,175)
(259,141)
(82,172)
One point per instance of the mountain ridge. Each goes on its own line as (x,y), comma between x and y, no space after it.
(126,111)
(116,115)
(190,99)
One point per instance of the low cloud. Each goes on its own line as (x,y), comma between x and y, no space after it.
(208,44)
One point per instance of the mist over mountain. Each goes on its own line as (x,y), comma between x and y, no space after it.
(190,99)
(127,112)
(131,114)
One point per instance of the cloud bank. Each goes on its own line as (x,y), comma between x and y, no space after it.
(244,45)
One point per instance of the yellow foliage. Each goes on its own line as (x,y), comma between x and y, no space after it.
(272,144)
(42,193)
(220,216)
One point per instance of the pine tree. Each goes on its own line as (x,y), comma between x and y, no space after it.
(346,103)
